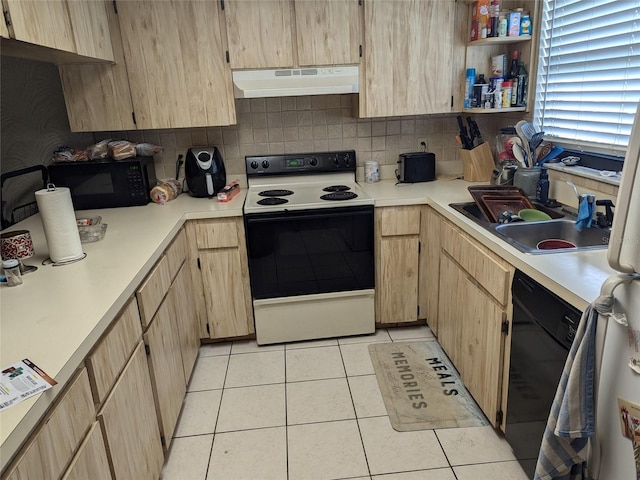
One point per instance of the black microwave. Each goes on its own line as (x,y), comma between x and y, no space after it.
(106,183)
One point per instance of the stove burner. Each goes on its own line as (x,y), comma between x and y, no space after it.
(275,193)
(272,201)
(336,188)
(339,196)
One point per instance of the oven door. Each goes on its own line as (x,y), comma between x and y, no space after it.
(310,251)
(312,273)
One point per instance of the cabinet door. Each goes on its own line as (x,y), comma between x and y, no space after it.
(259,33)
(176,66)
(91,460)
(90,28)
(97,97)
(328,33)
(4,30)
(397,241)
(42,22)
(450,308)
(128,419)
(429,274)
(407,57)
(165,366)
(397,279)
(470,332)
(225,293)
(181,296)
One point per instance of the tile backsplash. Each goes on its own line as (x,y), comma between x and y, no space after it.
(308,124)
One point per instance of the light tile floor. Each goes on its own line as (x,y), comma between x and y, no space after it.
(313,411)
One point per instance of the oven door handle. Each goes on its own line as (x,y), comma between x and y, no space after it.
(307,216)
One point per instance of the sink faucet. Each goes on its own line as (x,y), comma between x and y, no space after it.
(605,220)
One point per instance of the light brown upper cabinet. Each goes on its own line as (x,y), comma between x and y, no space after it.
(78,27)
(259,33)
(97,97)
(4,30)
(328,32)
(408,49)
(176,64)
(287,33)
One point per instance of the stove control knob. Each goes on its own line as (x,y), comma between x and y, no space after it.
(265,164)
(347,160)
(336,161)
(313,161)
(254,165)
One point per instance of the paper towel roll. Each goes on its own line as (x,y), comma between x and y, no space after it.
(59,222)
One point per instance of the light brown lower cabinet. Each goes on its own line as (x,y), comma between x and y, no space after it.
(165,365)
(51,448)
(128,420)
(218,257)
(396,254)
(91,460)
(474,318)
(181,295)
(429,275)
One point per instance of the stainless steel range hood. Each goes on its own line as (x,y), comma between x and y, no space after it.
(295,81)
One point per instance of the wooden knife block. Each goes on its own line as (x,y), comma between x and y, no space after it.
(477,164)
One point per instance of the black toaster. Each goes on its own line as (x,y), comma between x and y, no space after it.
(416,167)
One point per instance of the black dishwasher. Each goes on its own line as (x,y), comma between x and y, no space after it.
(543,329)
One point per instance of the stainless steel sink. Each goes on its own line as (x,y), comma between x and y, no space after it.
(526,236)
(472,211)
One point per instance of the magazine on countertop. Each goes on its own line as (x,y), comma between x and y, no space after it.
(20,381)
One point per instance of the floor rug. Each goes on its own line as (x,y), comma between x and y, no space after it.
(421,389)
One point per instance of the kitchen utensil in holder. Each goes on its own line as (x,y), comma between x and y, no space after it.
(478,163)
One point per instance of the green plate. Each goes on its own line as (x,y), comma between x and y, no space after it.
(533,215)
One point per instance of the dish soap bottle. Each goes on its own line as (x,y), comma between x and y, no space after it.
(542,189)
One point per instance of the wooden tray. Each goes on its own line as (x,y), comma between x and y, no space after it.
(477,191)
(496,204)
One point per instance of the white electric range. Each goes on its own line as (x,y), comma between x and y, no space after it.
(310,245)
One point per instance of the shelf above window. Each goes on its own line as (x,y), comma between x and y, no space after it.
(499,40)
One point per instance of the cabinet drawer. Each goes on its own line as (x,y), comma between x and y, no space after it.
(490,271)
(176,253)
(48,453)
(217,234)
(153,290)
(91,460)
(398,221)
(110,356)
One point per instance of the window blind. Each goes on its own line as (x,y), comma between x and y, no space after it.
(588,82)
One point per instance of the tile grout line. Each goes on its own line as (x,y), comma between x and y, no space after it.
(218,414)
(286,414)
(355,413)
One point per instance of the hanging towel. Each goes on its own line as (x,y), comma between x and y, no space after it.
(565,444)
(585,212)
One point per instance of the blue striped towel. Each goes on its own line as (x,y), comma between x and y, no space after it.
(565,444)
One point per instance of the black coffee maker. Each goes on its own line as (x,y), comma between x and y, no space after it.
(204,171)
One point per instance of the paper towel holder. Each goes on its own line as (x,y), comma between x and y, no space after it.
(51,187)
(48,261)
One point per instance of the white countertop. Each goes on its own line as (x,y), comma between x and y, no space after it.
(59,313)
(56,316)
